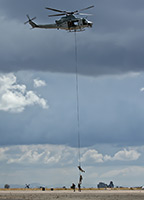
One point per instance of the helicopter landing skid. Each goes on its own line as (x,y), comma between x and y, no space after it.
(76,30)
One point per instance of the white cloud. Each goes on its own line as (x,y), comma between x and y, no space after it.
(92,155)
(14,97)
(123,155)
(30,156)
(39,154)
(127,75)
(126,155)
(3,151)
(142,89)
(39,83)
(59,154)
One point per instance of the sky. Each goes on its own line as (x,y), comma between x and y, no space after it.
(38,102)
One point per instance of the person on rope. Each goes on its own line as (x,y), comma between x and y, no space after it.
(79,167)
(80,179)
(80,182)
(79,187)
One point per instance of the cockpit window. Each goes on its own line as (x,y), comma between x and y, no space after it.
(84,21)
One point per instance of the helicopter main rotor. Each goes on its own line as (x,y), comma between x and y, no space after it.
(76,12)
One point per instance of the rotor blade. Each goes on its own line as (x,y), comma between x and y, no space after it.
(86,14)
(29,19)
(56,15)
(26,22)
(54,10)
(33,18)
(86,8)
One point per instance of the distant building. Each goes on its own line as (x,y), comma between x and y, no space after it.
(104,185)
(111,185)
(6,186)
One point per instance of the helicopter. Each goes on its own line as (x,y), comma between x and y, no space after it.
(68,22)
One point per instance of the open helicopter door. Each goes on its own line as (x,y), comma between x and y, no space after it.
(80,22)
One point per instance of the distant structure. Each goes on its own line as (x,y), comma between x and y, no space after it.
(104,185)
(111,185)
(6,186)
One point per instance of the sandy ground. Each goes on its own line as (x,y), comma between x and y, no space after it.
(70,195)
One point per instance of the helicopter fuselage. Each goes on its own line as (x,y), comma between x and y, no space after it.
(69,22)
(73,23)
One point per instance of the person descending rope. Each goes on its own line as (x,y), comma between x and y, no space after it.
(80,179)
(79,167)
(79,183)
(79,187)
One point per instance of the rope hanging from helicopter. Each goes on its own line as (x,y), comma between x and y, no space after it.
(78,113)
(77,101)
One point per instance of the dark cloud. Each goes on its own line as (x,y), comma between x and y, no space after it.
(111,112)
(114,45)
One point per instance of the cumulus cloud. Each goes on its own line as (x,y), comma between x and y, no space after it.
(39,83)
(126,155)
(92,155)
(123,155)
(15,97)
(38,154)
(61,155)
(30,156)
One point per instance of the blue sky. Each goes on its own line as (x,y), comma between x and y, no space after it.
(38,97)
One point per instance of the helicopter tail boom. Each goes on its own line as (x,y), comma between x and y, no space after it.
(47,26)
(34,25)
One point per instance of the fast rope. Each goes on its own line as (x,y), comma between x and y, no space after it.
(77,101)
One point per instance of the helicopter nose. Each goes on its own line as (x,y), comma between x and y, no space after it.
(90,24)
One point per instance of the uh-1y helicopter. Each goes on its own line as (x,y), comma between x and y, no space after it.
(68,22)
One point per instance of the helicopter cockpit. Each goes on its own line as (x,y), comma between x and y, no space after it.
(86,22)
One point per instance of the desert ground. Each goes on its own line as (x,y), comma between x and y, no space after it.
(70,195)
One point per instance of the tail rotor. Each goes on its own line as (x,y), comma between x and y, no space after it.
(29,19)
